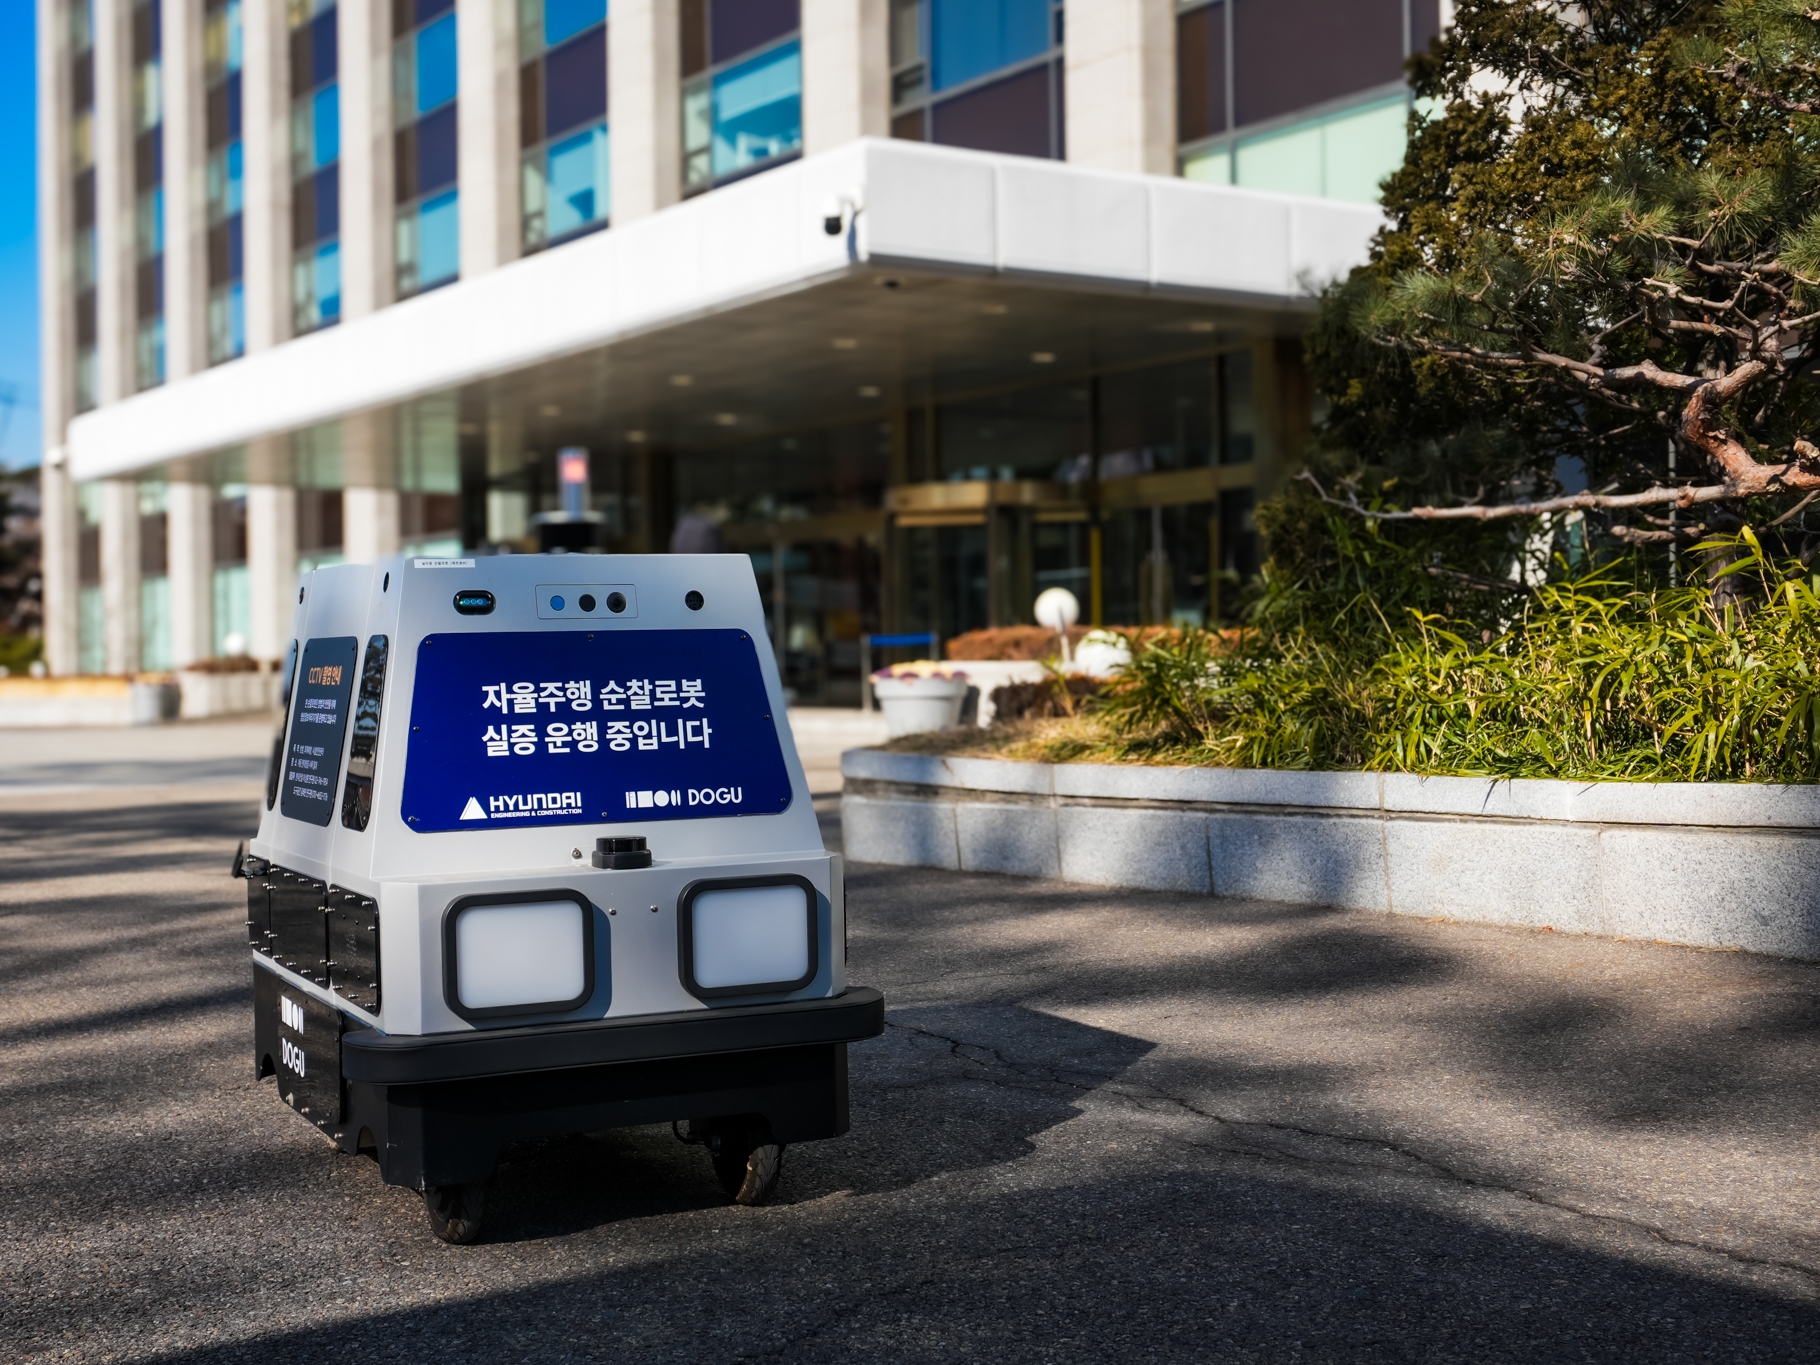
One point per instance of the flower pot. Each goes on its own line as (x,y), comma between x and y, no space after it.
(912,705)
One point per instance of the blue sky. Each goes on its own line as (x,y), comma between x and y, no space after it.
(19,440)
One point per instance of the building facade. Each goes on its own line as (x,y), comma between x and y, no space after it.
(926,305)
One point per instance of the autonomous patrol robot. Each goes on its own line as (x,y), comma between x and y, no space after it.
(537,857)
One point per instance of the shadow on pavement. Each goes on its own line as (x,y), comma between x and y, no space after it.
(1167,1265)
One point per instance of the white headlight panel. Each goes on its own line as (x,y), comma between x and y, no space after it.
(750,935)
(526,954)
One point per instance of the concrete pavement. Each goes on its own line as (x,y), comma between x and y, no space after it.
(1099,1125)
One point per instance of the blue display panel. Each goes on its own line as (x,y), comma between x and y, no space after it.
(568,728)
(319,724)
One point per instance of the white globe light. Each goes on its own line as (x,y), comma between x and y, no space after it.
(1057,608)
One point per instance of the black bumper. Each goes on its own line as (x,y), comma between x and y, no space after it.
(437,1109)
(375,1058)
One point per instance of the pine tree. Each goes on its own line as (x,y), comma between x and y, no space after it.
(1603,246)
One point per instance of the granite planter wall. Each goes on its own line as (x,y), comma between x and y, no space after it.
(1715,865)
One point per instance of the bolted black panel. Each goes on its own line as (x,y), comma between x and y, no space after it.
(299,932)
(302,1036)
(353,925)
(258,906)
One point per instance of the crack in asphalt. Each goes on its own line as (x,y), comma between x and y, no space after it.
(1436,1168)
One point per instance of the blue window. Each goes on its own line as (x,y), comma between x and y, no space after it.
(224,178)
(978,73)
(758,110)
(562,87)
(439,238)
(426,163)
(972,38)
(316,286)
(436,78)
(742,98)
(315,166)
(325,126)
(563,19)
(578,170)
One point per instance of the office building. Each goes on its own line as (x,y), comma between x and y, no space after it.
(926,305)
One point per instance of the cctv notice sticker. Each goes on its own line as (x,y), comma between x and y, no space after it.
(567,728)
(319,723)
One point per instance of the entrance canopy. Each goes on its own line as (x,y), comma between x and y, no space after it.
(738,311)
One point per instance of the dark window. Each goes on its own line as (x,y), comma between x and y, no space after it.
(1156,419)
(322,48)
(1031,434)
(224,251)
(436,150)
(908,126)
(404,164)
(85,318)
(85,198)
(575,83)
(232,86)
(153,556)
(328,203)
(1238,409)
(318,519)
(1288,54)
(82,81)
(1159,565)
(415,12)
(1424,23)
(1200,55)
(1239,556)
(1007,116)
(300,62)
(422,516)
(148,157)
(216,116)
(145,33)
(88,556)
(230,530)
(738,26)
(694,36)
(530,104)
(149,287)
(303,212)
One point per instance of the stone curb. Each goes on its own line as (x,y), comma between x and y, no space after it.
(1715,865)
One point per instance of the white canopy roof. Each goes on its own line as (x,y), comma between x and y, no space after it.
(925,210)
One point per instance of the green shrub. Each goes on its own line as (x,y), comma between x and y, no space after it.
(1604,676)
(19,652)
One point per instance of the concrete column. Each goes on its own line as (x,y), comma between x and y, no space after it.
(190,538)
(56,337)
(58,529)
(113,196)
(369,524)
(185,209)
(846,72)
(365,62)
(265,121)
(1119,57)
(120,573)
(487,36)
(644,107)
(271,551)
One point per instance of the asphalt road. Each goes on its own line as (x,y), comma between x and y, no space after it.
(1099,1126)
